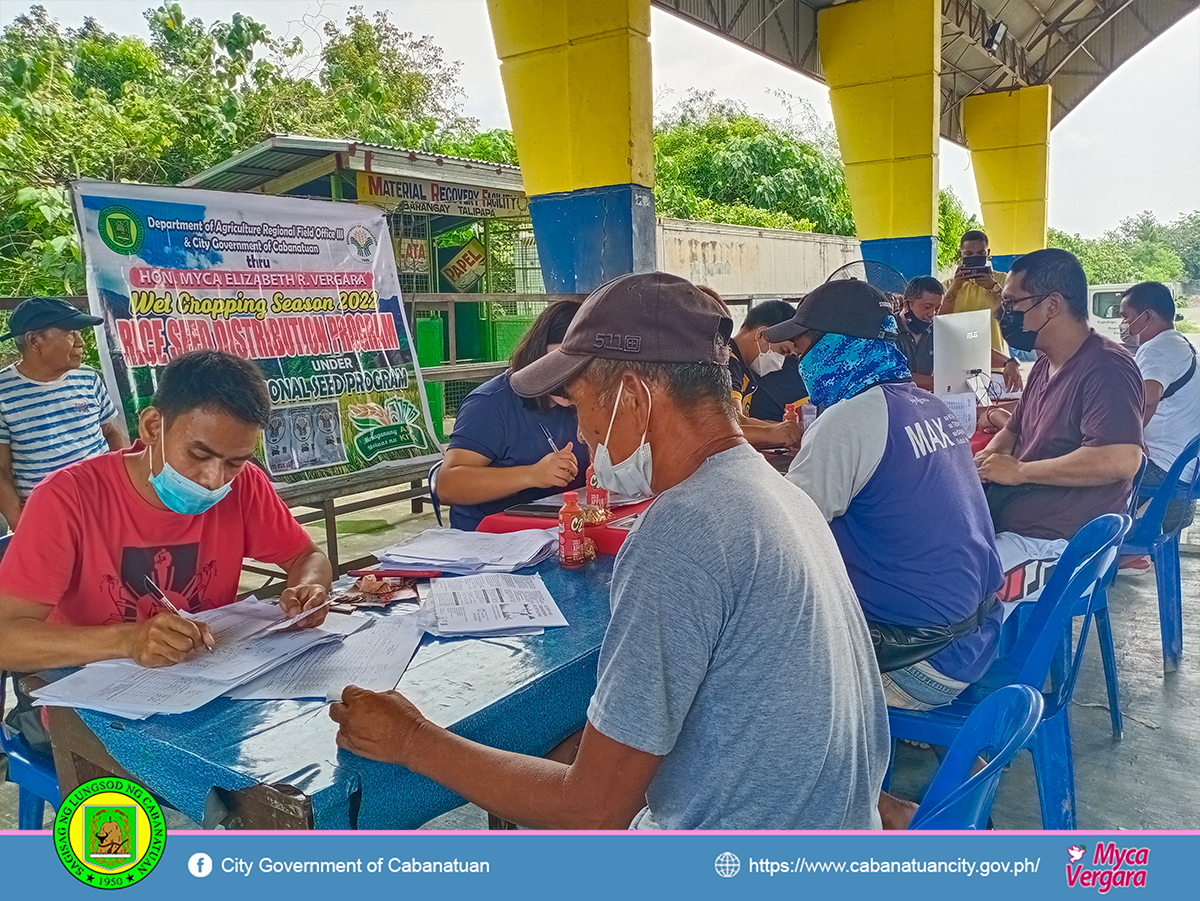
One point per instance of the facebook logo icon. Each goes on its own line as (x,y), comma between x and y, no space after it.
(200,865)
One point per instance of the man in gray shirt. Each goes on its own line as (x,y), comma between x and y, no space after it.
(737,683)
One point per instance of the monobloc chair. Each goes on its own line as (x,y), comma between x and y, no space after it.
(1068,593)
(1001,724)
(1149,536)
(433,496)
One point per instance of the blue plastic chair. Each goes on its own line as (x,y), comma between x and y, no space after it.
(1001,725)
(1148,537)
(433,496)
(1035,659)
(34,774)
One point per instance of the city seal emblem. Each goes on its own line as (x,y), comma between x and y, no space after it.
(109,833)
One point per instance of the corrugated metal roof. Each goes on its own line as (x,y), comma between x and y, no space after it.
(280,155)
(1071,44)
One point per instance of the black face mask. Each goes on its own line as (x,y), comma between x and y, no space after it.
(1012,327)
(915,324)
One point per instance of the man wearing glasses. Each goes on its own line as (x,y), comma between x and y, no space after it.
(1074,443)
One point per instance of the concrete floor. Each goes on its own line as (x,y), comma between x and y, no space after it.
(1146,781)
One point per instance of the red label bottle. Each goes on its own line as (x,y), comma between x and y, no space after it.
(571,552)
(596,496)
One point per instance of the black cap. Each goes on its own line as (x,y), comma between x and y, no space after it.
(845,307)
(44,312)
(648,317)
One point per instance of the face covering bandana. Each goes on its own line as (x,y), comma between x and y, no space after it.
(767,361)
(630,477)
(915,324)
(180,493)
(1128,335)
(839,367)
(1012,327)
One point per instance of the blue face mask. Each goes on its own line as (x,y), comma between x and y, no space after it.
(180,493)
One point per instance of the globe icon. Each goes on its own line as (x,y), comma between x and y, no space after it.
(727,864)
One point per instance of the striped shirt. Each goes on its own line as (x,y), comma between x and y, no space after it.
(50,425)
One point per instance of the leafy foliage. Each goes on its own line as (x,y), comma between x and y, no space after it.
(715,161)
(1139,249)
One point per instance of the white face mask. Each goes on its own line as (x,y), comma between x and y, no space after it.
(630,477)
(767,361)
(1128,335)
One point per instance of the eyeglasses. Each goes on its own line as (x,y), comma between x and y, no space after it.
(1007,306)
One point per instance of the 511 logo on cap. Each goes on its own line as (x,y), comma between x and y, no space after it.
(109,833)
(630,344)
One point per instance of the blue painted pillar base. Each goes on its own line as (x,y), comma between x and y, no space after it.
(912,256)
(1002,262)
(587,237)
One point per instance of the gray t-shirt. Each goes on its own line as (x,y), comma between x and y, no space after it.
(738,651)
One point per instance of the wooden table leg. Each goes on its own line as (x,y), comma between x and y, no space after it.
(331,538)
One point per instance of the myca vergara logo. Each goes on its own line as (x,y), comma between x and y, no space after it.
(1110,867)
(109,833)
(122,230)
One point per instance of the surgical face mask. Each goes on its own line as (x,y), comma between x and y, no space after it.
(1128,335)
(1012,327)
(767,361)
(916,324)
(630,477)
(180,493)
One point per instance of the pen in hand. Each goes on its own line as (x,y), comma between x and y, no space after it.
(550,438)
(160,596)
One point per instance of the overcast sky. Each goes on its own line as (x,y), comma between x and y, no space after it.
(1132,145)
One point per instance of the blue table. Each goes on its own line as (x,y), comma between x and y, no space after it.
(275,764)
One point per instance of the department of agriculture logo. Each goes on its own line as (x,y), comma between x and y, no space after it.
(728,864)
(122,230)
(361,241)
(109,833)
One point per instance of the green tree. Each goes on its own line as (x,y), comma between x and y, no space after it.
(715,161)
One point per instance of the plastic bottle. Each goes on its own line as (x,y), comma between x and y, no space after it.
(571,550)
(596,496)
(790,414)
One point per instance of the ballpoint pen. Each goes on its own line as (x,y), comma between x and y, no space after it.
(550,438)
(161,597)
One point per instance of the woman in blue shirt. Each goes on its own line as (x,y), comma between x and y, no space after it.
(499,455)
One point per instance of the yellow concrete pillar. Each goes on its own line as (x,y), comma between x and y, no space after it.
(1008,135)
(579,92)
(882,60)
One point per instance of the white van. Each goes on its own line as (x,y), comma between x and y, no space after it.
(1104,307)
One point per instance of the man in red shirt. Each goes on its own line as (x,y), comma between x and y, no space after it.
(181,508)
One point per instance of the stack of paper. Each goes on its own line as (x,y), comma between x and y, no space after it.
(615,499)
(373,658)
(492,605)
(455,551)
(244,648)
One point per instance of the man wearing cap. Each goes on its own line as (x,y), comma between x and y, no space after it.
(53,411)
(737,687)
(886,461)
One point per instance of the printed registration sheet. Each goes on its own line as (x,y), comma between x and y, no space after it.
(484,604)
(374,658)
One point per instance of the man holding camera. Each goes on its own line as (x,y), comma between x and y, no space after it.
(976,286)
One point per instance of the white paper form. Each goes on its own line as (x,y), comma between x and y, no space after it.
(484,604)
(133,694)
(373,658)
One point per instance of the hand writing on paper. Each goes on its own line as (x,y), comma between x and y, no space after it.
(166,639)
(376,725)
(298,598)
(557,469)
(1002,469)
